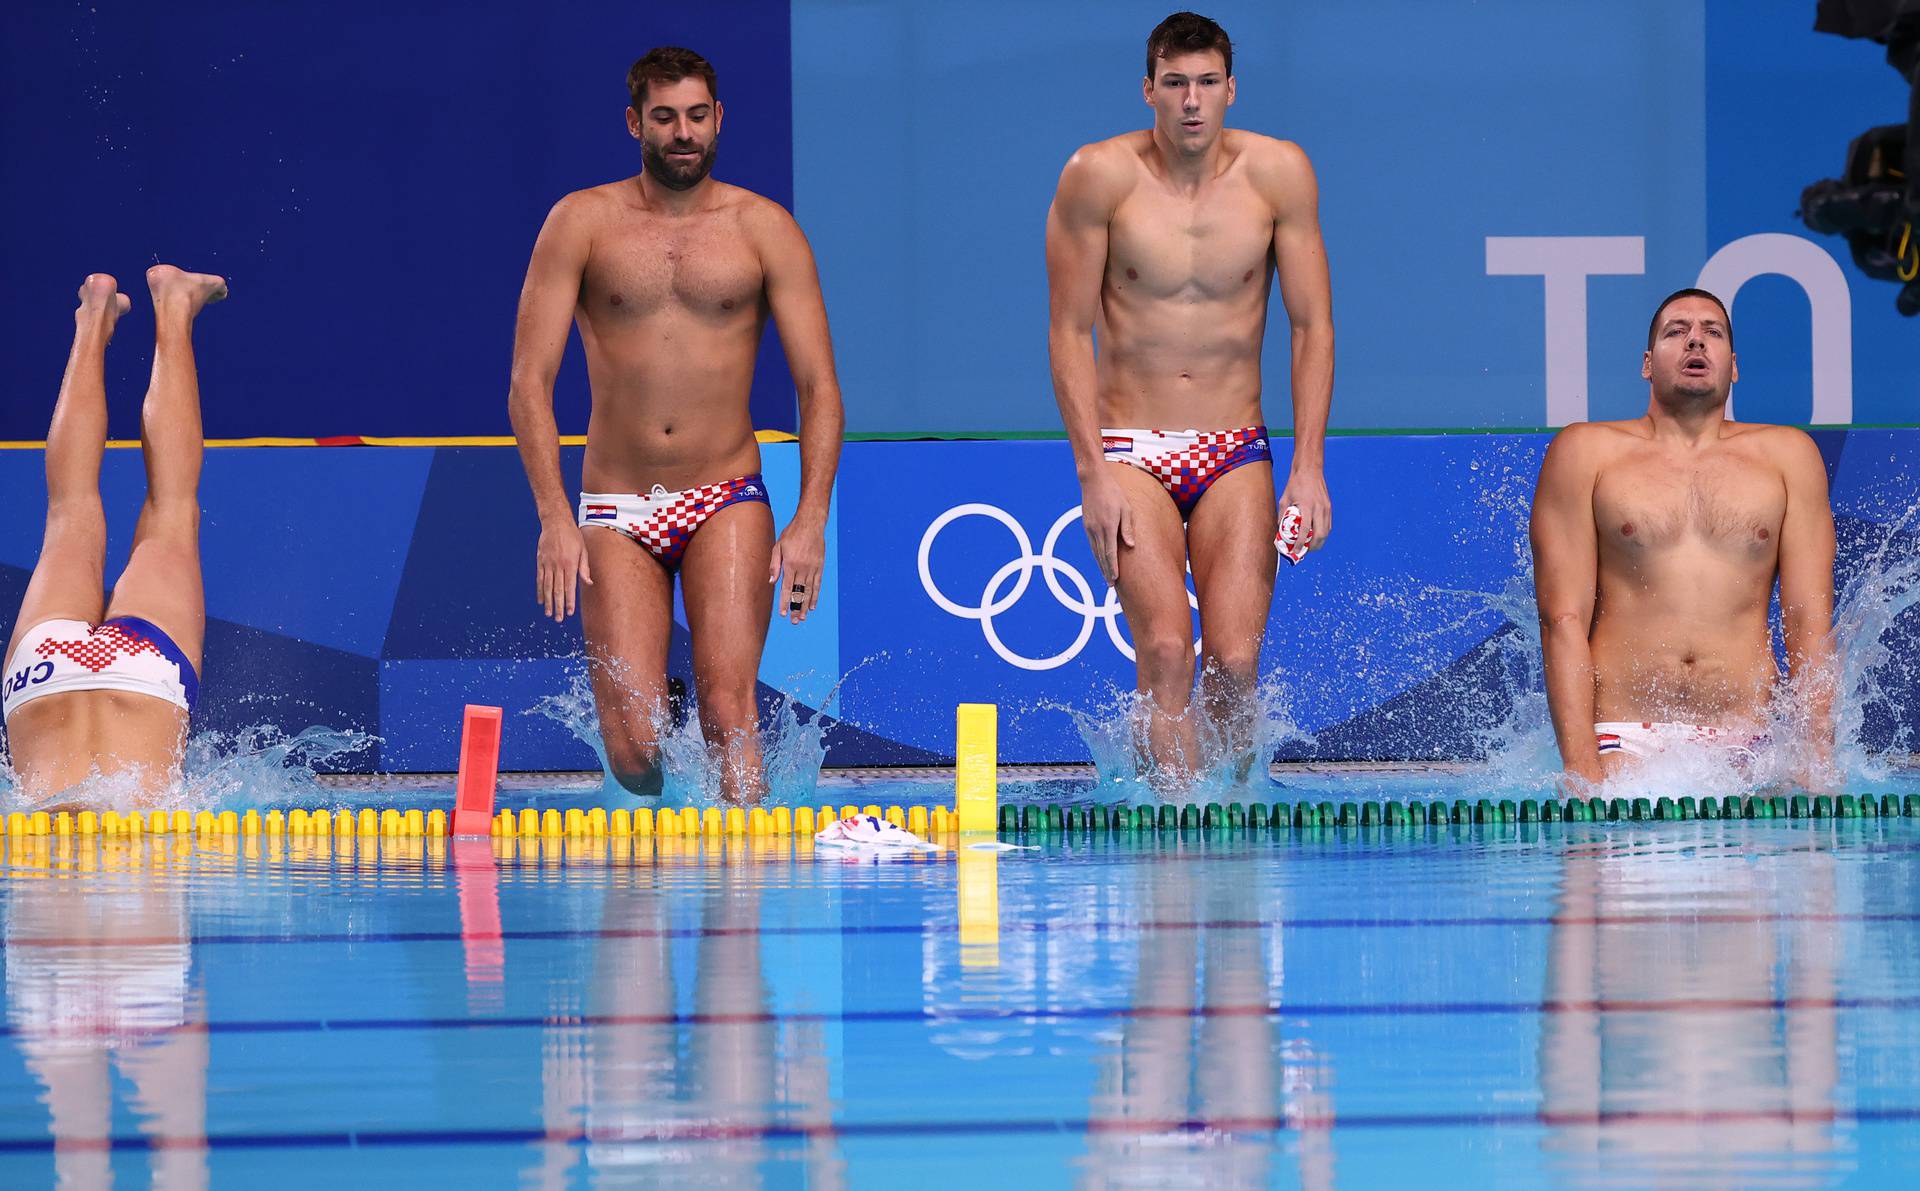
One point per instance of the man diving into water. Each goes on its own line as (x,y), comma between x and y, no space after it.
(1656,545)
(1165,242)
(670,276)
(98,683)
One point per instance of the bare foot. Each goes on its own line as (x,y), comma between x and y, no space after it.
(102,301)
(170,285)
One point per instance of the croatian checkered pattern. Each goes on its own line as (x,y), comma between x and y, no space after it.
(101,647)
(1188,462)
(668,519)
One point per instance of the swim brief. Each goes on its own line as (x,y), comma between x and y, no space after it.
(1651,739)
(124,653)
(664,522)
(1186,462)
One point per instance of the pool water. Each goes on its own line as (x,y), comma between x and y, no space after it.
(1575,1004)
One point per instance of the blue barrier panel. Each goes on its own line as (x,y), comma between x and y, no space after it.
(381,588)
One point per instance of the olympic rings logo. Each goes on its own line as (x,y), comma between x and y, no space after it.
(1011,581)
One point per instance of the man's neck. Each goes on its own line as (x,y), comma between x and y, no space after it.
(1185,171)
(1687,420)
(674,202)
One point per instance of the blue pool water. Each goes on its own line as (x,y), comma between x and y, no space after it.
(1616,1004)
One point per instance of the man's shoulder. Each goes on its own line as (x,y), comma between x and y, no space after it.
(592,198)
(761,218)
(1114,151)
(1105,168)
(1785,444)
(1591,444)
(1600,434)
(593,206)
(748,204)
(1768,434)
(1262,150)
(1277,170)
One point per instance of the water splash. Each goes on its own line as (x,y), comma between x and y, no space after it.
(263,765)
(1114,732)
(792,750)
(257,766)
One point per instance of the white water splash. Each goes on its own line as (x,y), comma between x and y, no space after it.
(256,766)
(791,752)
(1115,732)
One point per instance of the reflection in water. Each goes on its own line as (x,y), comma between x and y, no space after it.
(1739,1058)
(666,1095)
(100,982)
(1201,1077)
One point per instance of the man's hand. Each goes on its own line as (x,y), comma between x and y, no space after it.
(800,554)
(1582,780)
(1108,519)
(1307,488)
(561,558)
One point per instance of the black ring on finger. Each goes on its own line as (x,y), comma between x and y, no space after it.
(794,605)
(799,589)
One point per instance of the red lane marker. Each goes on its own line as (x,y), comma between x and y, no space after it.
(340,440)
(479,769)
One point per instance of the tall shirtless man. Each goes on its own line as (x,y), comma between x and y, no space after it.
(1656,544)
(1165,242)
(100,683)
(670,276)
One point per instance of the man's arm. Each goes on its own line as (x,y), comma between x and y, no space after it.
(800,313)
(1806,595)
(547,302)
(1077,223)
(1566,565)
(1307,294)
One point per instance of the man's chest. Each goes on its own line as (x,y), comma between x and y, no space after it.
(637,271)
(1727,501)
(1212,246)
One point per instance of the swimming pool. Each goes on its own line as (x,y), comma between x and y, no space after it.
(1613,1004)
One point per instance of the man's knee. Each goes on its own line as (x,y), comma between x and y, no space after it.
(1164,658)
(77,519)
(178,513)
(1233,668)
(636,767)
(728,708)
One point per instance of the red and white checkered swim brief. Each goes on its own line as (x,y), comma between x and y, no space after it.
(664,522)
(125,653)
(1186,462)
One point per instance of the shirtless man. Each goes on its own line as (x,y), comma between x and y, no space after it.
(97,683)
(670,277)
(1165,242)
(1656,543)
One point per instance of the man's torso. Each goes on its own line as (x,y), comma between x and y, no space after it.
(1183,307)
(1689,545)
(671,310)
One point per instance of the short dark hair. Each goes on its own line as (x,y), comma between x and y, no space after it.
(1653,328)
(1187,33)
(668,64)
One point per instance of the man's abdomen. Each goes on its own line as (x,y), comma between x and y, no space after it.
(1657,668)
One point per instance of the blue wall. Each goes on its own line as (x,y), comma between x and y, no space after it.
(369,176)
(1682,124)
(372,176)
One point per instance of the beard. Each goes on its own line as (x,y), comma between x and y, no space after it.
(1698,387)
(675,175)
